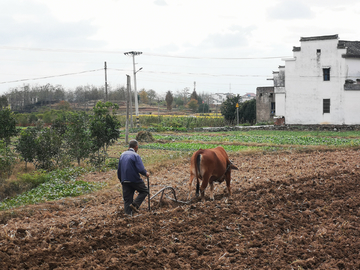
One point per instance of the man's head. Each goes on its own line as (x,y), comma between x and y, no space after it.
(134,145)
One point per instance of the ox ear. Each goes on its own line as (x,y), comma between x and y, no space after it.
(233,167)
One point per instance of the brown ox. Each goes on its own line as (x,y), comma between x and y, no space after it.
(210,165)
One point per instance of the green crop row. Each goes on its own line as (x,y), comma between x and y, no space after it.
(265,139)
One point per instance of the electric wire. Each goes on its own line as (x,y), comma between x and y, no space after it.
(52,76)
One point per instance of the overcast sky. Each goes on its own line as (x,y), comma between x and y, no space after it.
(222,45)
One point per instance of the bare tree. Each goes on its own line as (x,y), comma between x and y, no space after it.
(185,94)
(151,95)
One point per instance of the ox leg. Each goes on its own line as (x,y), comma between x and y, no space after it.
(204,184)
(197,187)
(228,185)
(212,191)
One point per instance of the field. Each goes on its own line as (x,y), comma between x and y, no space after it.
(295,205)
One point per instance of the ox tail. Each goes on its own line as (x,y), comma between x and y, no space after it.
(198,159)
(197,171)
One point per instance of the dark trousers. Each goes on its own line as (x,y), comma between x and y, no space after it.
(129,189)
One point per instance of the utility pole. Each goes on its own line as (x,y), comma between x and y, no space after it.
(131,109)
(128,98)
(106,93)
(133,53)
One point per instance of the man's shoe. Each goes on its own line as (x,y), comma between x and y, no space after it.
(134,208)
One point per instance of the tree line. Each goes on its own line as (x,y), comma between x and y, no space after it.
(30,98)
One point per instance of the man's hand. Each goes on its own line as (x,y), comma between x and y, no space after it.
(147,174)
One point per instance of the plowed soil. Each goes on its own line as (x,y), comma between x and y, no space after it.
(288,211)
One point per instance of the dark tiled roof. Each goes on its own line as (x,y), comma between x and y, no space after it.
(296,49)
(353,48)
(319,38)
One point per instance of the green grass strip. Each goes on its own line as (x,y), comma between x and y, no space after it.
(62,184)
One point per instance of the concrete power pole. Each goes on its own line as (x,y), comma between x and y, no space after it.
(131,108)
(133,53)
(106,92)
(128,98)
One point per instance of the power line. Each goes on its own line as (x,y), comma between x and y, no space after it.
(53,76)
(147,54)
(217,58)
(153,72)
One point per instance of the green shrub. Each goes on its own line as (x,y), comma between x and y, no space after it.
(34,179)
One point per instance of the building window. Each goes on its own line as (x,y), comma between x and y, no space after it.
(272,107)
(318,51)
(326,74)
(326,105)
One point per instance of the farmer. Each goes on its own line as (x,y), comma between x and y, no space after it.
(129,168)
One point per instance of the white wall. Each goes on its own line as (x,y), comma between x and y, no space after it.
(305,88)
(279,101)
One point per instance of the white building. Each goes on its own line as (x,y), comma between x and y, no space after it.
(248,96)
(320,84)
(219,98)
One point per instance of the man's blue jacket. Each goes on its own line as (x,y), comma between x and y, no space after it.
(130,165)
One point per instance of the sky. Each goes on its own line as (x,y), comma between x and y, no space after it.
(212,46)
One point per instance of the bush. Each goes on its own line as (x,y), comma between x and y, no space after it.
(144,136)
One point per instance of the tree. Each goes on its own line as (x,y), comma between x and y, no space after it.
(185,94)
(143,96)
(47,148)
(151,95)
(77,136)
(193,105)
(7,125)
(247,111)
(119,93)
(32,118)
(3,102)
(169,100)
(228,108)
(203,108)
(26,145)
(178,101)
(7,159)
(63,105)
(104,130)
(59,127)
(194,95)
